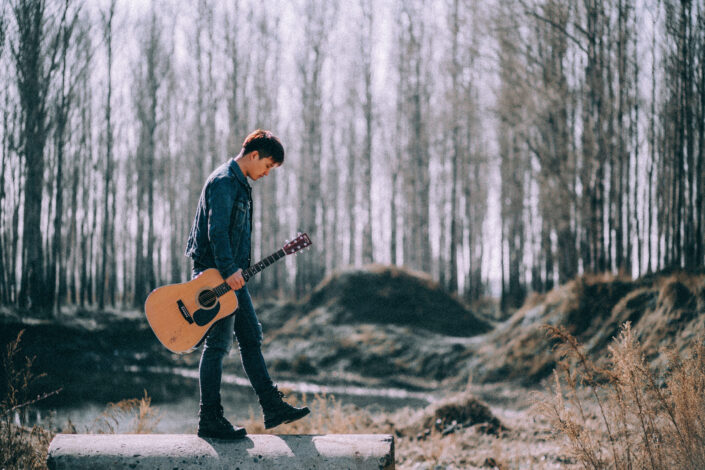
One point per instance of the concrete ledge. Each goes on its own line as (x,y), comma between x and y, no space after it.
(188,451)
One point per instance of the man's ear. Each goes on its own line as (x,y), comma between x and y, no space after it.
(254,155)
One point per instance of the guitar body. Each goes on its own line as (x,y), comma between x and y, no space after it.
(181,314)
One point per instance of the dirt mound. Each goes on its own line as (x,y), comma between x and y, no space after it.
(665,311)
(448,416)
(393,295)
(379,322)
(452,414)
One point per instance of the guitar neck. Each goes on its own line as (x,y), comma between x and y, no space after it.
(260,265)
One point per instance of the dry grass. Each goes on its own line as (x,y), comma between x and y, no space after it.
(133,415)
(421,443)
(327,416)
(21,447)
(626,415)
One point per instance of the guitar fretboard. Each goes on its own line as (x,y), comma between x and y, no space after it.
(252,270)
(259,266)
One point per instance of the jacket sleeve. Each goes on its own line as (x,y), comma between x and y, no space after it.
(220,198)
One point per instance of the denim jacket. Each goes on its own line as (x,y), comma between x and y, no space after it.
(222,229)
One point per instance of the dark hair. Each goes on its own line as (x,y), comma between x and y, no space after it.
(266,144)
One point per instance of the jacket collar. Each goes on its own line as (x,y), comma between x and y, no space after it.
(235,169)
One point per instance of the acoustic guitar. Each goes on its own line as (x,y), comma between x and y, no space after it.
(181,314)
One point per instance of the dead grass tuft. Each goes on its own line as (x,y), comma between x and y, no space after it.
(626,415)
(134,415)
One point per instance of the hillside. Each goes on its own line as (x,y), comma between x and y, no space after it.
(360,323)
(665,310)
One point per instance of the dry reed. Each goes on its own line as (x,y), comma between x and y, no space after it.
(626,415)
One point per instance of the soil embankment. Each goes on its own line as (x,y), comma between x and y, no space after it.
(665,311)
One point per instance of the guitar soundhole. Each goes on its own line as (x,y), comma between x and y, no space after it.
(207,298)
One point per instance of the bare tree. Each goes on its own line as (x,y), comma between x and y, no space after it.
(317,22)
(149,78)
(4,264)
(35,53)
(106,286)
(3,28)
(414,95)
(514,157)
(7,253)
(352,156)
(64,104)
(265,104)
(236,81)
(366,41)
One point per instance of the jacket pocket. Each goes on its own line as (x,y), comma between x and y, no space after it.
(239,214)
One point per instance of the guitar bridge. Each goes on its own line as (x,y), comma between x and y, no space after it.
(184,311)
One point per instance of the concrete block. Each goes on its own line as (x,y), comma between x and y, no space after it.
(188,451)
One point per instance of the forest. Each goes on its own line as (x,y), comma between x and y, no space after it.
(516,143)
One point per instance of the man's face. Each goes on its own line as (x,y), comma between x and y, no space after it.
(261,167)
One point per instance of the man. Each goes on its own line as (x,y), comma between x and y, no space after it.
(220,238)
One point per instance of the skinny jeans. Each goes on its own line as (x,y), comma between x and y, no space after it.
(248,331)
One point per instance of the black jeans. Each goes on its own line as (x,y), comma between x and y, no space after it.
(248,332)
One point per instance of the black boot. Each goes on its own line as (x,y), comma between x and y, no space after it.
(213,424)
(277,411)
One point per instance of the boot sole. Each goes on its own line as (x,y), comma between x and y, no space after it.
(230,437)
(285,421)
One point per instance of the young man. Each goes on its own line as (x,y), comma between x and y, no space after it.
(220,238)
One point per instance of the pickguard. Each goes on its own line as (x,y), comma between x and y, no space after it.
(203,316)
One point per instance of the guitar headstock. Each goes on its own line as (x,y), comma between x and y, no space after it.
(298,243)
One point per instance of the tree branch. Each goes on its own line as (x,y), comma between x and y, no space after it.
(557,26)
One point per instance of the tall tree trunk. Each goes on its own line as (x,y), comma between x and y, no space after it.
(149,81)
(61,118)
(367,109)
(35,63)
(105,280)
(309,269)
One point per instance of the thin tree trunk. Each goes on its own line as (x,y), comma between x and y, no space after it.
(367,108)
(104,284)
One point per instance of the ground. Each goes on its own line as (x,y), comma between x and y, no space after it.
(426,341)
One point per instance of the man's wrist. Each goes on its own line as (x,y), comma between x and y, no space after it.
(229,271)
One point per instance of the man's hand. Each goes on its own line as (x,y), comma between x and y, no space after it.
(235,280)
